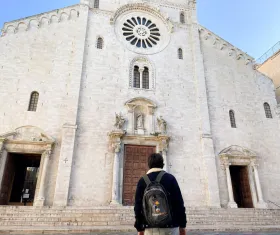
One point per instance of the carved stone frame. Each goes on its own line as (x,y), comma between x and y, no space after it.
(239,156)
(118,140)
(44,148)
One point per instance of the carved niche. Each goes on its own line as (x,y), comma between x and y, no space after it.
(141,116)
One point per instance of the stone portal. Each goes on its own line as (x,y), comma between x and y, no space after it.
(241,186)
(135,166)
(20,175)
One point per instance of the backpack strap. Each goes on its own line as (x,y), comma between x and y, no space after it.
(147,180)
(160,175)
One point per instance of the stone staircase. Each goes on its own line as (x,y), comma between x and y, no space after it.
(83,220)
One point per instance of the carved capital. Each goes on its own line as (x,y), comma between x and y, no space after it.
(47,154)
(163,142)
(115,140)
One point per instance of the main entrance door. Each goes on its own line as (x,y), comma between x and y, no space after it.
(135,166)
(20,175)
(241,186)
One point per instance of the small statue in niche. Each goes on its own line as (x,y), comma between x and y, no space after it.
(120,121)
(162,125)
(140,121)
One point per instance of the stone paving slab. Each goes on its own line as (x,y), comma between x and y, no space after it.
(189,233)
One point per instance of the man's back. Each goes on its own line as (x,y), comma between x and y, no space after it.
(175,200)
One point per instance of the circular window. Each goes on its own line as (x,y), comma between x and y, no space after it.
(141,32)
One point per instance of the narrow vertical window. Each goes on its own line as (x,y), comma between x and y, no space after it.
(100,43)
(267,110)
(180,53)
(136,79)
(182,18)
(96,4)
(232,119)
(146,78)
(34,97)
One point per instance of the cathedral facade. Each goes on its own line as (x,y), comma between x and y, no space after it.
(87,92)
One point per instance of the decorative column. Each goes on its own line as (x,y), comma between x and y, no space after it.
(231,203)
(141,70)
(65,165)
(131,119)
(115,143)
(163,147)
(2,141)
(3,158)
(261,204)
(151,119)
(40,200)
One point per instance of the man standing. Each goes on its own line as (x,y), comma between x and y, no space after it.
(159,206)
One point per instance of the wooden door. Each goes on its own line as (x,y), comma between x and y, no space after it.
(241,186)
(135,166)
(246,196)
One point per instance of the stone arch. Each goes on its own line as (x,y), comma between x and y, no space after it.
(64,17)
(236,150)
(142,62)
(21,27)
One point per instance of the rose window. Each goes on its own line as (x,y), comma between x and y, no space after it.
(141,32)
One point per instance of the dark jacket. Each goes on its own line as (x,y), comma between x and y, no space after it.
(175,201)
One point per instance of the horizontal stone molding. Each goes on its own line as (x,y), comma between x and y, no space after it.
(41,21)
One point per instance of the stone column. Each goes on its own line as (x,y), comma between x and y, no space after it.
(141,70)
(231,203)
(116,175)
(163,147)
(115,139)
(2,141)
(40,200)
(131,119)
(151,120)
(3,158)
(261,204)
(65,165)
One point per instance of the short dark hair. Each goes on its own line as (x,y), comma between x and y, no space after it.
(155,160)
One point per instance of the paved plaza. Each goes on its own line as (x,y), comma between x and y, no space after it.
(189,233)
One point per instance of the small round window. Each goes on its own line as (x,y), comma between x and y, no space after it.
(141,32)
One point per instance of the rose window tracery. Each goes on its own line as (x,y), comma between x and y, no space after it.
(141,32)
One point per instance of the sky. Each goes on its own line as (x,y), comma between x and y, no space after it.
(250,25)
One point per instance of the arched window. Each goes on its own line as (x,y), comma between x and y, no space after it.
(182,18)
(96,4)
(34,97)
(232,119)
(146,78)
(180,53)
(267,110)
(99,43)
(136,77)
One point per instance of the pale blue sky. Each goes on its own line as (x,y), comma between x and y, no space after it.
(251,25)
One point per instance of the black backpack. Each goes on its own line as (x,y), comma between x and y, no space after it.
(157,211)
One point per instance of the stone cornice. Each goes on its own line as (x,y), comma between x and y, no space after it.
(40,20)
(148,137)
(222,44)
(42,143)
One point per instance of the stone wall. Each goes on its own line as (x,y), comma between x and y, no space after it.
(43,53)
(232,83)
(104,91)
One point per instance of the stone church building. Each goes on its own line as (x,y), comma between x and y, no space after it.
(87,92)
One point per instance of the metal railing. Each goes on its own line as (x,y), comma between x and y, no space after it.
(273,50)
(273,203)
